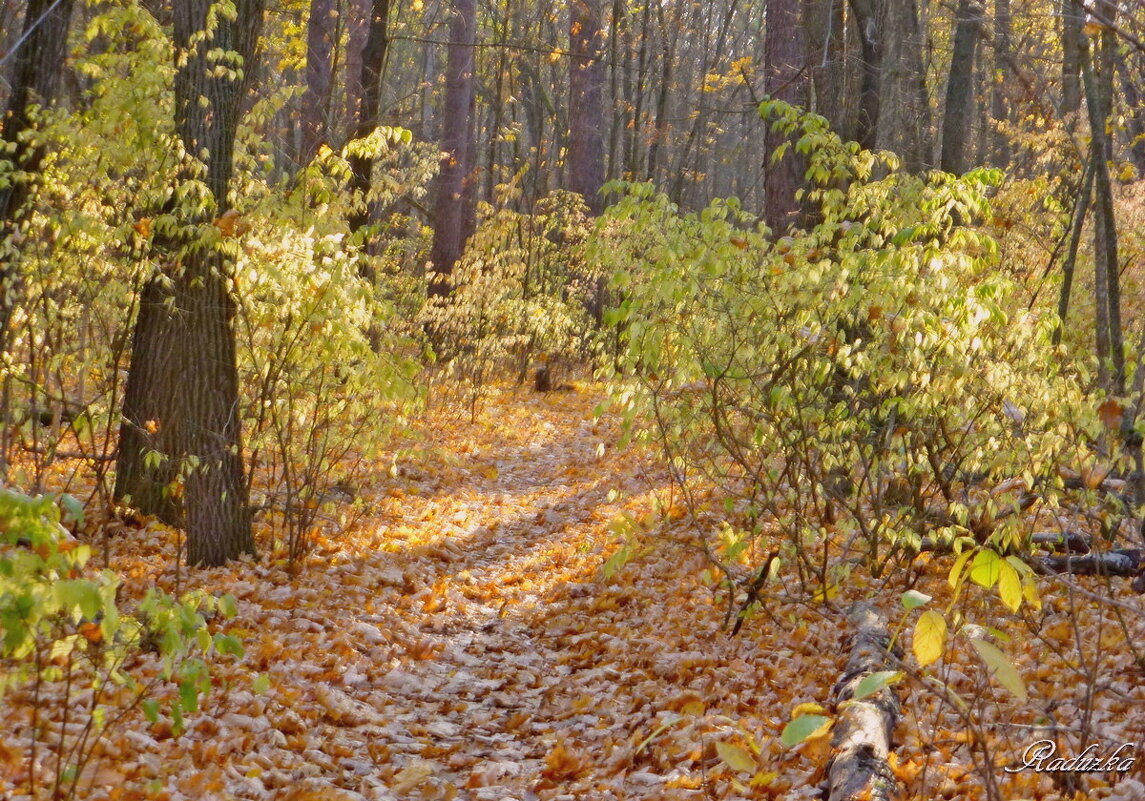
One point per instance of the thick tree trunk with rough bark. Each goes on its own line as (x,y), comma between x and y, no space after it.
(449,215)
(319,77)
(586,85)
(145,467)
(784,79)
(960,87)
(183,355)
(36,77)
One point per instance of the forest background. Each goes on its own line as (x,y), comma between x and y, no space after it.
(850,286)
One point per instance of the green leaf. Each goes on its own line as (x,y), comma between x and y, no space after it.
(261,684)
(188,696)
(802,728)
(228,606)
(913,599)
(736,758)
(150,710)
(79,598)
(929,638)
(873,682)
(73,508)
(229,644)
(1001,669)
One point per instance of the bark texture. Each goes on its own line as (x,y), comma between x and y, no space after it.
(183,357)
(449,214)
(371,66)
(960,88)
(862,735)
(824,30)
(319,76)
(1072,18)
(784,79)
(903,118)
(586,90)
(1000,145)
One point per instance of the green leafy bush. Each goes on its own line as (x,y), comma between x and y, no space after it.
(326,373)
(522,293)
(68,652)
(849,388)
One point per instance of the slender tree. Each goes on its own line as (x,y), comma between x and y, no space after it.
(36,81)
(320,32)
(371,63)
(449,214)
(999,104)
(1072,18)
(1098,97)
(784,79)
(960,87)
(871,57)
(586,85)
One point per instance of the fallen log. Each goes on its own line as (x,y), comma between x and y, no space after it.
(1123,562)
(863,728)
(1070,541)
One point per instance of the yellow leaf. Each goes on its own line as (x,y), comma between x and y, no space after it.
(762,779)
(1001,668)
(808,708)
(1009,586)
(410,777)
(929,638)
(736,758)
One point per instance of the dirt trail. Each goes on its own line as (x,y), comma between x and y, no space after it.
(459,641)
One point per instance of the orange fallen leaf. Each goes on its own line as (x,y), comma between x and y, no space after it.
(563,763)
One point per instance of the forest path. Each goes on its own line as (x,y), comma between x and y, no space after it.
(460,641)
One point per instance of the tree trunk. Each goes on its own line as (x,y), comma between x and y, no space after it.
(633,160)
(449,214)
(358,30)
(1098,93)
(784,79)
(1000,144)
(319,77)
(861,740)
(146,463)
(902,119)
(1072,18)
(618,32)
(1134,111)
(586,83)
(183,353)
(660,130)
(960,88)
(824,29)
(372,65)
(36,78)
(871,56)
